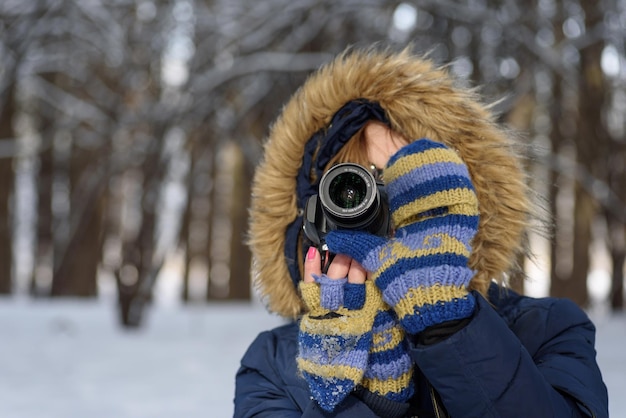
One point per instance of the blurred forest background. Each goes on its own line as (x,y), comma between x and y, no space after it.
(130,129)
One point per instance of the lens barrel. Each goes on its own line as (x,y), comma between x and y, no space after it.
(349,196)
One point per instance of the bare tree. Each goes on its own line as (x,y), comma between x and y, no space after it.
(107,86)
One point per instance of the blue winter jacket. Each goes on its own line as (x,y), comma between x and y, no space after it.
(517,357)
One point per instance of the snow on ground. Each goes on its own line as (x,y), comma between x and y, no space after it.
(69,359)
(611,345)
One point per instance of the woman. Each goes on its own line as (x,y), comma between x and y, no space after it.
(415,321)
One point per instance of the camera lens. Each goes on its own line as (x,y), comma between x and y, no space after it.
(347,190)
(349,196)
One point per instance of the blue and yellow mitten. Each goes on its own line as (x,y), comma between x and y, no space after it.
(349,337)
(423,270)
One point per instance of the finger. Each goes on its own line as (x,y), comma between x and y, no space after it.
(339,267)
(312,265)
(357,273)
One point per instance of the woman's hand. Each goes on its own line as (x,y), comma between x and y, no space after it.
(381,142)
(342,266)
(336,331)
(349,336)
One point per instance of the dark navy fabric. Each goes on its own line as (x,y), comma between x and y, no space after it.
(318,152)
(517,357)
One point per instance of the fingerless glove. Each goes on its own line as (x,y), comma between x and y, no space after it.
(349,337)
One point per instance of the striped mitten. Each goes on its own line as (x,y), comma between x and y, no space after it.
(334,340)
(423,270)
(344,324)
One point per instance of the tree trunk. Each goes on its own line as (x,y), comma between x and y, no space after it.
(7,179)
(584,212)
(76,273)
(185,232)
(44,241)
(592,141)
(559,276)
(197,214)
(239,252)
(618,258)
(215,217)
(616,226)
(43,254)
(138,272)
(6,237)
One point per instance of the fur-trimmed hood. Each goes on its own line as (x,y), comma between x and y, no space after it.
(420,100)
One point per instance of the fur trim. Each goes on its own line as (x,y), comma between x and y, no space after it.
(421,101)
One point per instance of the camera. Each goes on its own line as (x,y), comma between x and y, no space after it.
(349,197)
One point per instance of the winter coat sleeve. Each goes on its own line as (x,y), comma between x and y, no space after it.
(267,383)
(260,389)
(539,362)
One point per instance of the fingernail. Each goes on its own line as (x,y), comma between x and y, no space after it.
(310,254)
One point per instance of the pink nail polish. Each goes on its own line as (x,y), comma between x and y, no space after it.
(310,254)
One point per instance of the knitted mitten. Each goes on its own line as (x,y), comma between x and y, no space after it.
(334,340)
(336,337)
(422,271)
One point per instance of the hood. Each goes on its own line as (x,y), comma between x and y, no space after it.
(417,99)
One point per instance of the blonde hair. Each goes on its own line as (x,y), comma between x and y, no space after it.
(356,148)
(354,151)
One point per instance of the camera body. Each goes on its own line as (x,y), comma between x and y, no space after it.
(349,197)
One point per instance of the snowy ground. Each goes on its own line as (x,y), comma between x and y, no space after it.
(69,359)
